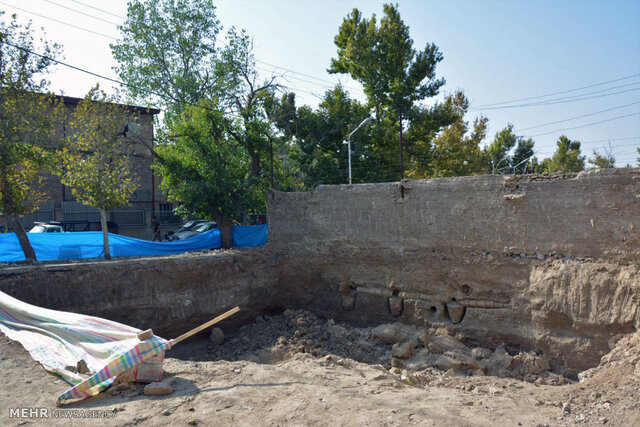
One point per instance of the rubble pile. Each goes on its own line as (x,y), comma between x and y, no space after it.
(274,338)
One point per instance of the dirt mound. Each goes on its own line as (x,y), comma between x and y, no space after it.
(275,338)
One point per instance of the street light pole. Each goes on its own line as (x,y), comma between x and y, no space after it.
(363,123)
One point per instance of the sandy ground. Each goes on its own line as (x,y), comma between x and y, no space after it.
(268,383)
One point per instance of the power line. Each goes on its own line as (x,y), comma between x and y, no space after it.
(80,12)
(60,22)
(306,75)
(558,101)
(98,9)
(559,93)
(115,38)
(583,126)
(578,117)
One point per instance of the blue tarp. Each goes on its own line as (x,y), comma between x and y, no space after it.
(88,244)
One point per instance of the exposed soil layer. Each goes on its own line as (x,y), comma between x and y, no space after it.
(256,378)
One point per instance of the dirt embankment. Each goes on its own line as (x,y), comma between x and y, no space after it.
(296,368)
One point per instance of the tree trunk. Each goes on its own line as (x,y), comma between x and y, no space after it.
(224,224)
(401,149)
(105,233)
(25,244)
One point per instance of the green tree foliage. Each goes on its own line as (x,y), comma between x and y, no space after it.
(320,135)
(456,151)
(97,158)
(603,161)
(509,153)
(205,169)
(240,144)
(168,47)
(567,157)
(638,159)
(382,57)
(28,120)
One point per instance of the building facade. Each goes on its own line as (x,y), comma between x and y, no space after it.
(133,220)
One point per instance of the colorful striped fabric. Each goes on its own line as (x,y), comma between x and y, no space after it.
(58,340)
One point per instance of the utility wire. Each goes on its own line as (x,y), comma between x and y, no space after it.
(578,117)
(115,38)
(559,93)
(98,9)
(584,126)
(81,13)
(59,22)
(558,101)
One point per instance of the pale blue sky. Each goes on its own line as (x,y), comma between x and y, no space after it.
(494,50)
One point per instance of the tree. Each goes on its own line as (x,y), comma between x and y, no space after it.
(394,75)
(603,161)
(167,53)
(509,152)
(169,48)
(239,144)
(567,157)
(28,121)
(96,161)
(455,151)
(638,159)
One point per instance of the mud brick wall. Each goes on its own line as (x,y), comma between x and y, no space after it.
(592,214)
(549,262)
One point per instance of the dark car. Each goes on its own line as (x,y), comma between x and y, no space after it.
(199,228)
(189,225)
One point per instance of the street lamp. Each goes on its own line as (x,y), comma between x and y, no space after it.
(363,123)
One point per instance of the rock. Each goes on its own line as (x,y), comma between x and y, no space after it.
(122,387)
(481,353)
(193,423)
(539,256)
(541,364)
(595,395)
(566,409)
(402,351)
(478,373)
(390,333)
(217,336)
(82,367)
(495,391)
(500,359)
(637,370)
(456,361)
(441,344)
(450,373)
(395,361)
(424,339)
(166,412)
(161,388)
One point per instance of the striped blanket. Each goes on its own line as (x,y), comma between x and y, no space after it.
(59,340)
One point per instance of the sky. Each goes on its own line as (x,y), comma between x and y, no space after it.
(550,68)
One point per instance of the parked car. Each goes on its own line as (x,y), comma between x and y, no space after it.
(47,227)
(68,226)
(198,229)
(186,227)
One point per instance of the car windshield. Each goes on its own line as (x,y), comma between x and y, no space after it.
(38,229)
(203,227)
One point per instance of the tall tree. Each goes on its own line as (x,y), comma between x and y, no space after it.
(394,75)
(168,48)
(603,161)
(97,158)
(567,157)
(28,122)
(456,151)
(509,152)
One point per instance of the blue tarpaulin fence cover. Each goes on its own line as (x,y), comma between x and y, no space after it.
(88,244)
